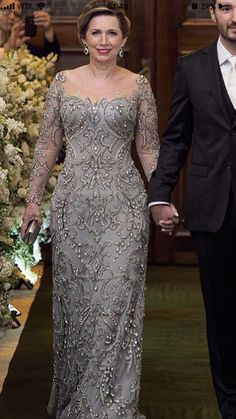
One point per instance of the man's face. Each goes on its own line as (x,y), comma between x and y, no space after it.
(9,16)
(224,15)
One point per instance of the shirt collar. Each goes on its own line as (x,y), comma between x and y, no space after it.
(223,53)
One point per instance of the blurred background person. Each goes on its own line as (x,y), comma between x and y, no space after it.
(13,35)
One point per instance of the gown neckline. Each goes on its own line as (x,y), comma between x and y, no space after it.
(99,102)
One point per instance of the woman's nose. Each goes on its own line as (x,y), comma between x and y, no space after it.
(103,39)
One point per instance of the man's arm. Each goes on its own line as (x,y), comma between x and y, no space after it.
(175,144)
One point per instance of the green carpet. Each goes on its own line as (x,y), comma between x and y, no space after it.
(176,382)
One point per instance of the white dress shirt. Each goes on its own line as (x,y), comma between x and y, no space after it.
(225,68)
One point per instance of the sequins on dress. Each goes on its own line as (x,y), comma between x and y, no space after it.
(100,227)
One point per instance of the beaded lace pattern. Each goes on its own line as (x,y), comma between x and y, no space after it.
(100,227)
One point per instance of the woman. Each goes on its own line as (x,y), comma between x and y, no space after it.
(99,222)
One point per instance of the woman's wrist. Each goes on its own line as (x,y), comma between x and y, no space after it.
(49,34)
(6,46)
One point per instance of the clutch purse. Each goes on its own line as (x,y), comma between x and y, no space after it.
(31,232)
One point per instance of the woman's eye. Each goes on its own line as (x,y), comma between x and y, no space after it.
(113,33)
(95,32)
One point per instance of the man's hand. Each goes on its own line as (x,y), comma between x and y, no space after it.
(43,20)
(165,216)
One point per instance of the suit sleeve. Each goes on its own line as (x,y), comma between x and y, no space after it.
(176,142)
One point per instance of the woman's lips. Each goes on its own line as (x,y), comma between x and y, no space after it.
(103,51)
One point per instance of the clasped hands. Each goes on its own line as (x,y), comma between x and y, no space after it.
(165,216)
(17,37)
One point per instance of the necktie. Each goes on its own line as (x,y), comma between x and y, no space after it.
(232,80)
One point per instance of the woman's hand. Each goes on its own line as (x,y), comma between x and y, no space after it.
(43,20)
(32,212)
(17,36)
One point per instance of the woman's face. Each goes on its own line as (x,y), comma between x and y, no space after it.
(104,38)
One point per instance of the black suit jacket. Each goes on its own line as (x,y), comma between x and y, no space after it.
(201,115)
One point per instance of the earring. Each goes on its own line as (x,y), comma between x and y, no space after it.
(121,52)
(86,50)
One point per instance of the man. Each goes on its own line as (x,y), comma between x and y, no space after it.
(203,114)
(13,28)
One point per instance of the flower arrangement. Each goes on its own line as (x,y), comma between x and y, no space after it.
(24,83)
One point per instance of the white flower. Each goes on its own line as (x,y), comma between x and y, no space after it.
(4,194)
(6,269)
(22,193)
(33,130)
(16,127)
(10,151)
(29,93)
(37,251)
(18,161)
(21,78)
(4,83)
(2,105)
(6,286)
(25,149)
(25,61)
(26,270)
(51,183)
(3,174)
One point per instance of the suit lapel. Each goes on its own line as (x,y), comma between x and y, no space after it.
(216,83)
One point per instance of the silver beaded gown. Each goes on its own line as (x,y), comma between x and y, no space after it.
(100,227)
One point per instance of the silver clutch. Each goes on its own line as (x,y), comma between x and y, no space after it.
(31,233)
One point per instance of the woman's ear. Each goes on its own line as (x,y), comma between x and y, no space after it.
(124,42)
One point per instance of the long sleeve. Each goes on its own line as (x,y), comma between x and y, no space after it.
(48,144)
(146,135)
(176,142)
(47,48)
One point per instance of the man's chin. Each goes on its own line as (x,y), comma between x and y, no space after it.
(232,33)
(230,37)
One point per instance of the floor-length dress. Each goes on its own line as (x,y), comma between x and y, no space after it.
(100,226)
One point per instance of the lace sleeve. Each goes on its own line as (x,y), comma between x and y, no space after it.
(146,135)
(48,144)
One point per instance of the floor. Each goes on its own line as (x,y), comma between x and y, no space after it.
(22,299)
(176,381)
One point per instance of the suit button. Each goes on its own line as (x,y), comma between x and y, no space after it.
(228,167)
(233,133)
